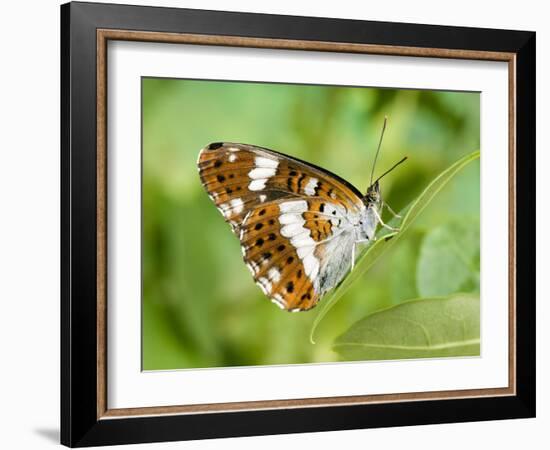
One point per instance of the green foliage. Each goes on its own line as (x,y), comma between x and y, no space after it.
(449,260)
(201,307)
(445,261)
(385,239)
(429,327)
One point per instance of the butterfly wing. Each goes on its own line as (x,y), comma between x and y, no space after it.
(294,220)
(295,252)
(239,177)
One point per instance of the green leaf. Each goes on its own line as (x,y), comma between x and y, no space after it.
(449,260)
(404,261)
(425,328)
(386,239)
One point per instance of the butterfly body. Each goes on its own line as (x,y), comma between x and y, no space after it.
(298,223)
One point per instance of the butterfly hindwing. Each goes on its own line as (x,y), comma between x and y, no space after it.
(288,245)
(274,261)
(291,218)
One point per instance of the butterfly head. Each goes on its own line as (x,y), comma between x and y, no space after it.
(373,196)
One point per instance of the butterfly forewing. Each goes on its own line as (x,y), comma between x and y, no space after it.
(235,170)
(289,215)
(222,175)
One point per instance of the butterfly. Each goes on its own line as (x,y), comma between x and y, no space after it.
(298,224)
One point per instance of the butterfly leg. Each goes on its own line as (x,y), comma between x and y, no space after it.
(391,210)
(382,223)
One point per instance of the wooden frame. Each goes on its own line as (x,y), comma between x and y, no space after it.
(86,418)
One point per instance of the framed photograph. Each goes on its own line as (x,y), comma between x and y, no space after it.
(276,224)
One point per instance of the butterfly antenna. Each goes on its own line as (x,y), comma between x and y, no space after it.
(378,149)
(389,170)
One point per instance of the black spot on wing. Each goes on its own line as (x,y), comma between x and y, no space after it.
(318,187)
(300,181)
(289,184)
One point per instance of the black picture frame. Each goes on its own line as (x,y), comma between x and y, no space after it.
(80,424)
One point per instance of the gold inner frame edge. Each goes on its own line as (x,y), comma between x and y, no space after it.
(103,36)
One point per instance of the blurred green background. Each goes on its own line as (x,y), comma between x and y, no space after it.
(201,307)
